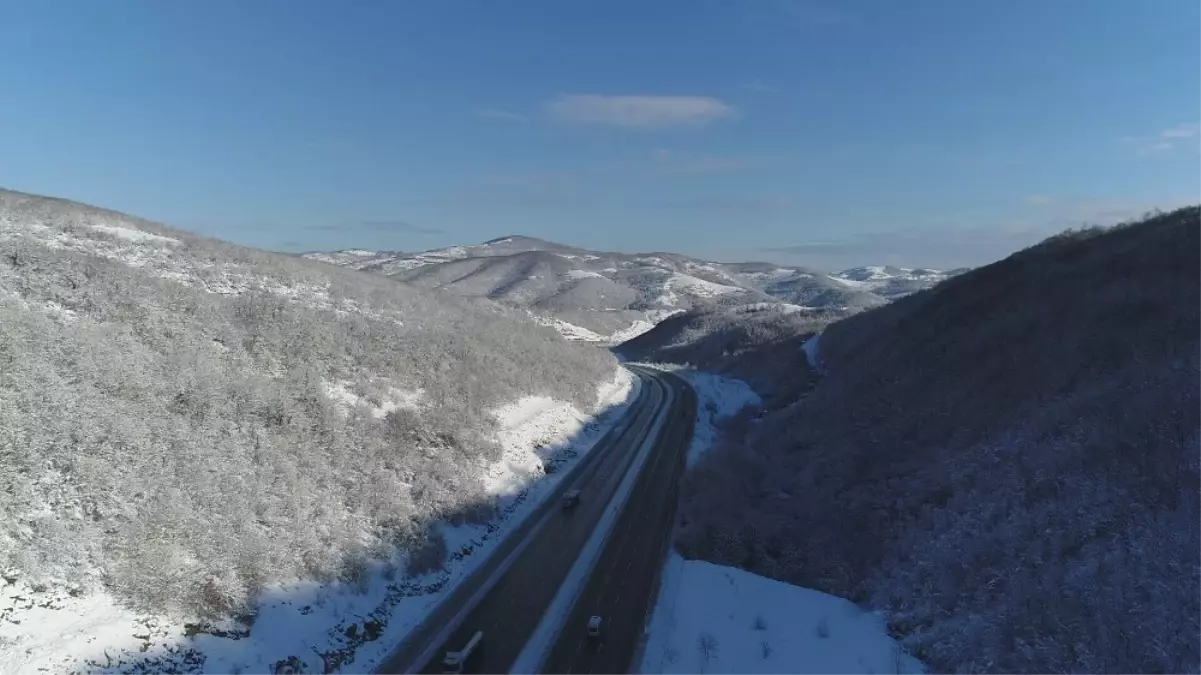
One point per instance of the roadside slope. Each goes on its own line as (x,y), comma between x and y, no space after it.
(1007,464)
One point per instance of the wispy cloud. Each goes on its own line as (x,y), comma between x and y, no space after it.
(987,240)
(1039,200)
(399,226)
(810,13)
(939,247)
(1179,136)
(502,115)
(735,206)
(639,112)
(667,163)
(528,179)
(762,88)
(385,225)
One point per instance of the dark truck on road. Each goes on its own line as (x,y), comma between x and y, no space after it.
(571,498)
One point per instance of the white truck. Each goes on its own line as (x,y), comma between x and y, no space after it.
(453,661)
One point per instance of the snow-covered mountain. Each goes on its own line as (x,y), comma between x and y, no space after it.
(893,282)
(612,297)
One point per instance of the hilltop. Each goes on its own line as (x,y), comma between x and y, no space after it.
(612,297)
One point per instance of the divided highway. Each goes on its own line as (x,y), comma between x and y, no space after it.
(626,574)
(510,591)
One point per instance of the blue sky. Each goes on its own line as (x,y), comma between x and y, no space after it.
(925,132)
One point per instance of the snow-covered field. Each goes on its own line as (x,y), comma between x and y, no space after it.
(339,626)
(715,619)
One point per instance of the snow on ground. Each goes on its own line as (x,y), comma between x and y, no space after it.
(711,618)
(569,331)
(810,347)
(776,274)
(340,626)
(530,426)
(630,332)
(782,307)
(130,234)
(717,398)
(582,274)
(396,399)
(694,286)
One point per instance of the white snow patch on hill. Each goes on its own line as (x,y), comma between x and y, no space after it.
(691,285)
(62,629)
(569,331)
(582,274)
(630,332)
(782,307)
(130,234)
(530,427)
(397,399)
(716,619)
(810,347)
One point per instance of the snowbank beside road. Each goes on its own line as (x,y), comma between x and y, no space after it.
(711,618)
(347,625)
(810,347)
(532,431)
(717,398)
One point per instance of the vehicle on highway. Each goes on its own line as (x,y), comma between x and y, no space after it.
(571,498)
(594,625)
(454,661)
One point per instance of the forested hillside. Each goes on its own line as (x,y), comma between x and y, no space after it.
(1007,464)
(184,421)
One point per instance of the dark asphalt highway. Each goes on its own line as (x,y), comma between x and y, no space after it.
(552,538)
(625,576)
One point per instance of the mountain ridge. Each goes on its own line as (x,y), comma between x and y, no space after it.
(609,297)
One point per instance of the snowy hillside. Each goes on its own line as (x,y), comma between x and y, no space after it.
(612,297)
(1004,466)
(157,387)
(712,618)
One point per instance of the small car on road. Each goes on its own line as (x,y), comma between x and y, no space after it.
(571,498)
(594,626)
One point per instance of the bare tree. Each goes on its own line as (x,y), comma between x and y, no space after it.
(706,645)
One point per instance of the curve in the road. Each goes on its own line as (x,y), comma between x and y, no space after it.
(508,593)
(620,588)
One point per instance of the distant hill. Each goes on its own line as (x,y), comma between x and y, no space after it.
(612,297)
